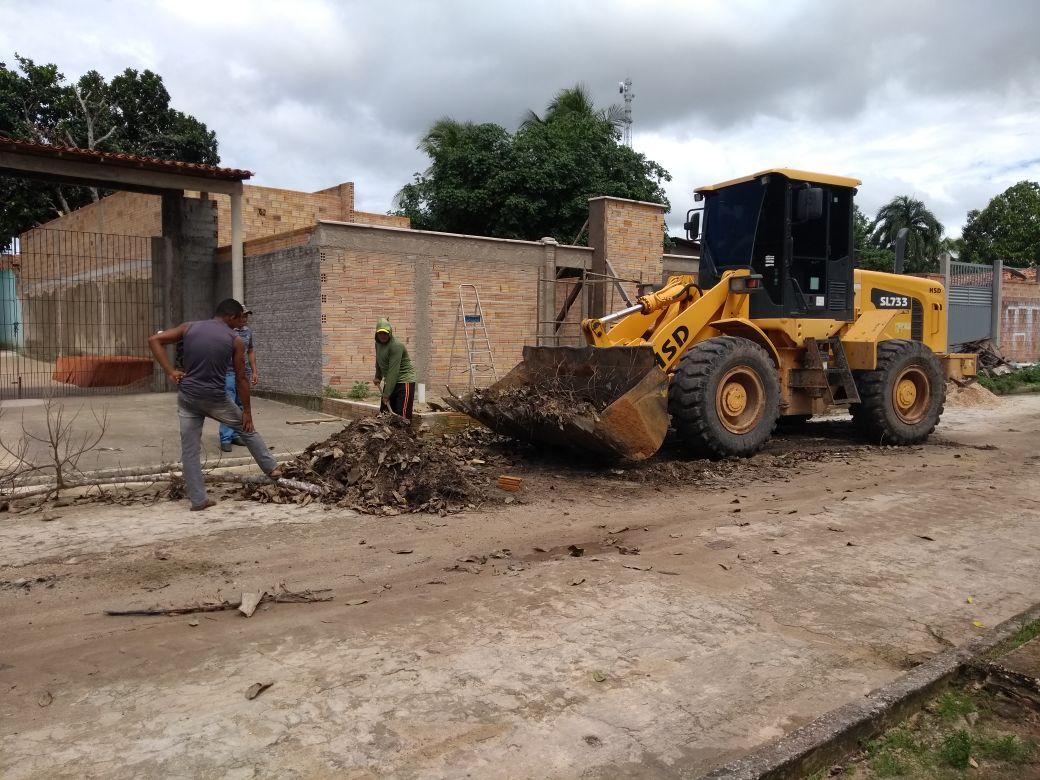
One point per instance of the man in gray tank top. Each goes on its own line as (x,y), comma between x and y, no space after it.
(209,347)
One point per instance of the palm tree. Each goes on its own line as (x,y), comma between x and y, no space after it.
(573,101)
(925,236)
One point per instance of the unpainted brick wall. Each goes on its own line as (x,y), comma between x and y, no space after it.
(634,240)
(122,213)
(1020,323)
(419,294)
(268,210)
(386,220)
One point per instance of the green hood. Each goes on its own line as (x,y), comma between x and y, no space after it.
(384,324)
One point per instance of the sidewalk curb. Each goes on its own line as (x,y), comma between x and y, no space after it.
(834,735)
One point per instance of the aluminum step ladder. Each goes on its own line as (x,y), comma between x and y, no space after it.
(469,320)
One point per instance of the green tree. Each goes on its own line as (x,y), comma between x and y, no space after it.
(531,183)
(922,243)
(1007,229)
(131,113)
(867,255)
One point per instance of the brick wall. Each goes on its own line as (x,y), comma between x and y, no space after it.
(122,213)
(283,290)
(413,278)
(266,211)
(1020,323)
(386,220)
(628,239)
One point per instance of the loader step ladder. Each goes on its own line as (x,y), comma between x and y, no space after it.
(469,320)
(827,371)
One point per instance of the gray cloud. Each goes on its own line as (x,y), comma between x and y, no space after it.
(311,93)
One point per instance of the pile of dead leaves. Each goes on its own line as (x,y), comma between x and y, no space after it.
(379,466)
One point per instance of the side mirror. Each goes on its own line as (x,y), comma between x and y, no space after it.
(809,204)
(692,224)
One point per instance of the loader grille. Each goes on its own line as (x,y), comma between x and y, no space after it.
(916,320)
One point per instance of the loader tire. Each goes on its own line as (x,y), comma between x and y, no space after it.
(901,400)
(725,397)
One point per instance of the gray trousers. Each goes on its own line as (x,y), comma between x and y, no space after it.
(192,413)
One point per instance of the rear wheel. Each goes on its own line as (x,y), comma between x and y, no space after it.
(724,398)
(901,401)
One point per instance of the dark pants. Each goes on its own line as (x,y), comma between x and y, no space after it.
(402,399)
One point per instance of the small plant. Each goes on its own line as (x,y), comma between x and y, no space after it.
(953,705)
(358,391)
(1023,380)
(955,749)
(331,392)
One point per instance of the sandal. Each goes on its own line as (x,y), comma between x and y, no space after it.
(204,505)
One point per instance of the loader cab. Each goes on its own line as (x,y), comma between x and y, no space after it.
(794,228)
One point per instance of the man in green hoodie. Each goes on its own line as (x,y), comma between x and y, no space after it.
(394,369)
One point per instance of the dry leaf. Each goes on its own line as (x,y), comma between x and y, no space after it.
(356,602)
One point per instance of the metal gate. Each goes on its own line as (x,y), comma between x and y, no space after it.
(75,314)
(971,298)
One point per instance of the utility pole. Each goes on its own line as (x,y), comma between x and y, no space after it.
(625,89)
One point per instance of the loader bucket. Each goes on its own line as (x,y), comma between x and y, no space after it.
(605,400)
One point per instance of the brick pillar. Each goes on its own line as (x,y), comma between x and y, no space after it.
(627,239)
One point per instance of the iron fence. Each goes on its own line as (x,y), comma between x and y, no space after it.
(75,314)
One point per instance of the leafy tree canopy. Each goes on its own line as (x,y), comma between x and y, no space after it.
(130,113)
(1007,229)
(867,255)
(534,182)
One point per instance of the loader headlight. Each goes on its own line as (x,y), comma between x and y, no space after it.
(745,284)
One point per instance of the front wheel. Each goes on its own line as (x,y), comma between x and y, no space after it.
(901,400)
(725,397)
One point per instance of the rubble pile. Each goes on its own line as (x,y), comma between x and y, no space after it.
(379,466)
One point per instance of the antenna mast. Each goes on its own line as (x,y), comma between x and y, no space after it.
(625,89)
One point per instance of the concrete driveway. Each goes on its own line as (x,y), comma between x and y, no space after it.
(141,429)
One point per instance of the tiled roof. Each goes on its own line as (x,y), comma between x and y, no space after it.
(121,160)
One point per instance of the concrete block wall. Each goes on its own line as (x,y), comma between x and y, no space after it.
(192,225)
(283,289)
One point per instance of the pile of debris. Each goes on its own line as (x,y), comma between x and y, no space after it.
(991,362)
(379,466)
(550,401)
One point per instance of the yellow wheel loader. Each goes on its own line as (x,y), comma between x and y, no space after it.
(778,324)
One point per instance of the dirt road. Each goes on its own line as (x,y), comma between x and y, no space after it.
(820,571)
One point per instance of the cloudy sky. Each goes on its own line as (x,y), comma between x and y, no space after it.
(940,100)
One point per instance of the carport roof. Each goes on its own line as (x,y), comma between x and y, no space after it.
(120,160)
